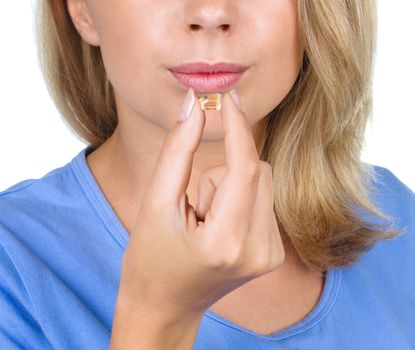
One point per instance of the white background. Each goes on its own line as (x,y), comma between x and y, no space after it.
(34,139)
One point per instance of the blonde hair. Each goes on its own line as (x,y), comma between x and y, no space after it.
(312,139)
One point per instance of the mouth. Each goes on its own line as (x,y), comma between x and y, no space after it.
(203,77)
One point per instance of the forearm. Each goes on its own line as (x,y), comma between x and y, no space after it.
(141,327)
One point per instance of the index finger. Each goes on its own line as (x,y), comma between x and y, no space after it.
(172,171)
(235,196)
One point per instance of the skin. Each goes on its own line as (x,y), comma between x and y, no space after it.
(139,40)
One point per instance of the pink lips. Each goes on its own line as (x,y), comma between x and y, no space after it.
(203,77)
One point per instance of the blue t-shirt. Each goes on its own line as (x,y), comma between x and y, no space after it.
(61,248)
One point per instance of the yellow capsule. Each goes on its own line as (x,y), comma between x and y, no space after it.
(210,101)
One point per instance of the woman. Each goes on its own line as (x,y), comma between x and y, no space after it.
(252,225)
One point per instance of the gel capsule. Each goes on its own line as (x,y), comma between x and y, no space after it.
(210,101)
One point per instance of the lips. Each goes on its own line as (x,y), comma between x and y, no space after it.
(203,77)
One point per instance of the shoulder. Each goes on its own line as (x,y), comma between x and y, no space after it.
(27,207)
(394,197)
(31,196)
(30,213)
(46,194)
(31,188)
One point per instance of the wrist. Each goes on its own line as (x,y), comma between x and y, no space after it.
(143,325)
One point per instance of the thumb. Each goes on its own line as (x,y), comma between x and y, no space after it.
(208,183)
(172,171)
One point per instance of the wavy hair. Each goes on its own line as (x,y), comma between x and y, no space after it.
(313,138)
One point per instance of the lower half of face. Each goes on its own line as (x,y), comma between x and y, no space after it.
(142,40)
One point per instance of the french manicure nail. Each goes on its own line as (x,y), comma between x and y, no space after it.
(187,105)
(235,98)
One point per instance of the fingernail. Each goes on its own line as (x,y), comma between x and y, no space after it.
(187,105)
(235,98)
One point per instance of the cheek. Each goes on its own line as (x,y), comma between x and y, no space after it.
(125,50)
(283,62)
(132,56)
(279,62)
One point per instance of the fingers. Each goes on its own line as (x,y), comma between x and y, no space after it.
(208,182)
(234,199)
(264,242)
(173,168)
(263,210)
(240,145)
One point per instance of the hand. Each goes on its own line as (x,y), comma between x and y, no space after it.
(185,259)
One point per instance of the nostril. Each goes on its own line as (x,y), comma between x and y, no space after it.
(224,27)
(195,26)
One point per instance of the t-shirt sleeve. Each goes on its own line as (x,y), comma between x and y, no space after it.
(18,328)
(402,200)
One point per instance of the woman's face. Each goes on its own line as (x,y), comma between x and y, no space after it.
(141,39)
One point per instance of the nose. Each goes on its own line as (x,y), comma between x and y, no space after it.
(209,16)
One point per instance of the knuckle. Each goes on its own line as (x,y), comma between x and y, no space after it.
(156,205)
(232,258)
(253,170)
(277,259)
(267,259)
(277,252)
(226,258)
(260,262)
(173,143)
(266,167)
(204,178)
